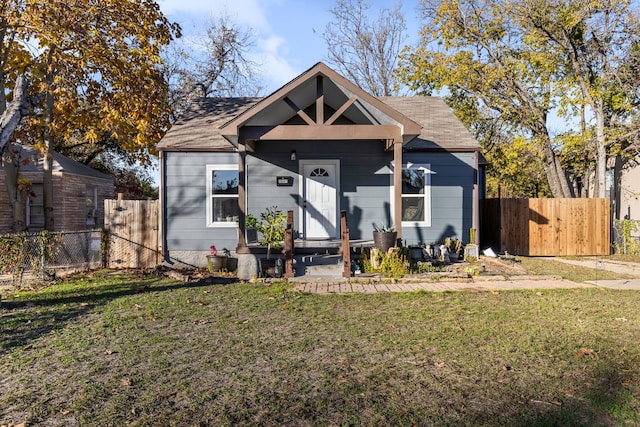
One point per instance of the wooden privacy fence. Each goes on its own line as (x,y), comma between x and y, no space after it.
(133,233)
(546,227)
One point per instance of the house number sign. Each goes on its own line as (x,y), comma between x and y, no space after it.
(284,181)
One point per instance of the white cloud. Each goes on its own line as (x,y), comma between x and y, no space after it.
(276,71)
(244,12)
(270,50)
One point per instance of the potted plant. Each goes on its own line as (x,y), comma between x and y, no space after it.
(384,237)
(217,260)
(272,227)
(251,225)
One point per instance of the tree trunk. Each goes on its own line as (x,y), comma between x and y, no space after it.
(11,166)
(47,162)
(9,121)
(12,116)
(558,182)
(617,193)
(601,156)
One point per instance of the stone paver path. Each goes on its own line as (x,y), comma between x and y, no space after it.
(337,286)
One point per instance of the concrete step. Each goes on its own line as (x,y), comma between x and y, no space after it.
(318,265)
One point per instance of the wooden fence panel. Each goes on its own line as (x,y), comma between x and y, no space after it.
(133,227)
(547,227)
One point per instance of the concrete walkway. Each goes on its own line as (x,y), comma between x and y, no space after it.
(480,283)
(620,267)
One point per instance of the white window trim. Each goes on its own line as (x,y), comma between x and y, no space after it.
(426,167)
(209,218)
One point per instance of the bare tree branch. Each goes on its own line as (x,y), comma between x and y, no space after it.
(366,51)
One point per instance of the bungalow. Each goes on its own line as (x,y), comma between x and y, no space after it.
(317,146)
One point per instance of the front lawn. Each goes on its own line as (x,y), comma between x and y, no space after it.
(118,348)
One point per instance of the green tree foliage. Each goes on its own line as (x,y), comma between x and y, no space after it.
(515,170)
(506,66)
(485,63)
(594,39)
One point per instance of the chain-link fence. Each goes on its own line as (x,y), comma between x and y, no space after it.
(626,237)
(30,257)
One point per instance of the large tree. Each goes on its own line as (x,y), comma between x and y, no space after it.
(97,65)
(594,40)
(215,64)
(366,50)
(523,60)
(483,60)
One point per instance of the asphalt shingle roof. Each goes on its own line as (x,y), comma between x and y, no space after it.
(199,127)
(31,161)
(441,129)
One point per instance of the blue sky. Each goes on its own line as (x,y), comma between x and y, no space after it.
(288,32)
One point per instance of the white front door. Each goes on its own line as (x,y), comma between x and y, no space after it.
(320,192)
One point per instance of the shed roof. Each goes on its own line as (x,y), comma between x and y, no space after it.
(61,164)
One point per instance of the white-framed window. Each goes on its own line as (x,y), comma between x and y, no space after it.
(222,195)
(91,197)
(416,194)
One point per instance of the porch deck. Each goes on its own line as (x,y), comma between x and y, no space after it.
(328,247)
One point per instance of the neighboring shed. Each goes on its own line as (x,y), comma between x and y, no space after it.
(316,146)
(79,193)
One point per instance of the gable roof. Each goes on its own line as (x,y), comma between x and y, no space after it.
(30,159)
(212,124)
(333,90)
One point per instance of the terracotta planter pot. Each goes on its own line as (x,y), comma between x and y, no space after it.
(384,240)
(216,263)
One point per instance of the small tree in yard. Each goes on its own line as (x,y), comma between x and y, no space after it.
(272,227)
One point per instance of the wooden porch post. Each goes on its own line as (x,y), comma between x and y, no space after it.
(397,186)
(288,246)
(242,195)
(346,251)
(476,201)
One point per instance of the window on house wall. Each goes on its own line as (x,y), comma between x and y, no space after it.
(35,207)
(222,188)
(416,194)
(91,204)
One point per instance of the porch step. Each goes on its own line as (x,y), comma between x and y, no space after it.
(318,266)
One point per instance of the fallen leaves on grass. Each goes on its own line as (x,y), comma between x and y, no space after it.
(587,352)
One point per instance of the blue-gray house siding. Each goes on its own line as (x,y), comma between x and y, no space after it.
(185,198)
(365,179)
(347,143)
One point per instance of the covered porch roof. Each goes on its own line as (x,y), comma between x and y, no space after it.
(320,104)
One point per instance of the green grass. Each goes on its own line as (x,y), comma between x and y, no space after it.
(115,349)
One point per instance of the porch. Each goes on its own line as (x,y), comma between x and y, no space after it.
(300,254)
(316,247)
